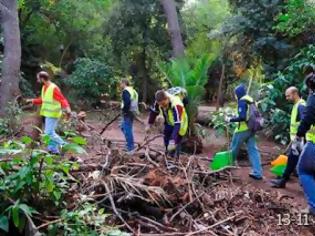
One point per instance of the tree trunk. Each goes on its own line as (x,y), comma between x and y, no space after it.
(9,87)
(220,86)
(145,77)
(173,27)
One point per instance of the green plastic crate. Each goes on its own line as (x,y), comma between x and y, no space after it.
(278,170)
(221,159)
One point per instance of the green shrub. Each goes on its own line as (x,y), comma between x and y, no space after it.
(90,80)
(191,74)
(274,105)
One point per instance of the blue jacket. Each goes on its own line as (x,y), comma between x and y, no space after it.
(308,118)
(242,106)
(126,97)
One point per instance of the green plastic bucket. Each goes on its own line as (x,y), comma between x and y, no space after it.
(221,159)
(278,170)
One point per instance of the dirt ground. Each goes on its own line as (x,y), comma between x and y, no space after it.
(212,144)
(254,198)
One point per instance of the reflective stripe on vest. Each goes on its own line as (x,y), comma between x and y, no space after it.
(50,107)
(295,124)
(134,99)
(242,126)
(176,101)
(310,135)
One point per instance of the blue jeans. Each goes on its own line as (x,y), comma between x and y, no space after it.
(127,129)
(306,171)
(55,140)
(247,137)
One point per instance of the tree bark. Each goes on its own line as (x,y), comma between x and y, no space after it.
(173,27)
(219,98)
(9,87)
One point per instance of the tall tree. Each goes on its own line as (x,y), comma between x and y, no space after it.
(139,40)
(173,27)
(9,87)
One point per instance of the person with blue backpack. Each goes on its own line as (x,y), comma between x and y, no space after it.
(248,122)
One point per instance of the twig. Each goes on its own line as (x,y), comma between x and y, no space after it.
(39,177)
(212,226)
(147,155)
(216,171)
(157,223)
(183,207)
(49,223)
(149,141)
(114,207)
(109,123)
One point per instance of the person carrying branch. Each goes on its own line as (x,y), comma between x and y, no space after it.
(306,164)
(176,120)
(292,95)
(52,103)
(129,108)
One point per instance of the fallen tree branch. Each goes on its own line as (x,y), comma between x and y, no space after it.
(109,123)
(149,141)
(114,207)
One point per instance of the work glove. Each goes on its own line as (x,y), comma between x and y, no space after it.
(297,146)
(227,119)
(159,119)
(29,100)
(147,129)
(68,113)
(171,146)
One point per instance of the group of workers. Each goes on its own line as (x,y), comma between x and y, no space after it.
(171,104)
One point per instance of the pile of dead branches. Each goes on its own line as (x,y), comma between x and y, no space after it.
(152,194)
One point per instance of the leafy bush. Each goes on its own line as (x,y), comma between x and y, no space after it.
(274,106)
(33,181)
(298,17)
(191,74)
(90,80)
(219,124)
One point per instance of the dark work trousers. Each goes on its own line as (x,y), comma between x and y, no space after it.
(291,165)
(168,130)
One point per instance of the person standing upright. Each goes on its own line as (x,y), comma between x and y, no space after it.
(129,108)
(52,102)
(292,95)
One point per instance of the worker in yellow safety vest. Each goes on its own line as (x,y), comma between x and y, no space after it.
(129,106)
(242,133)
(292,95)
(52,103)
(176,120)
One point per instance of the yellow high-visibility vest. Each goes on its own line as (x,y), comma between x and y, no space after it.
(134,99)
(242,126)
(50,107)
(295,124)
(175,101)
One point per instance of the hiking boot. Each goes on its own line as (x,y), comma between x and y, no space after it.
(131,153)
(53,151)
(308,211)
(255,177)
(278,183)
